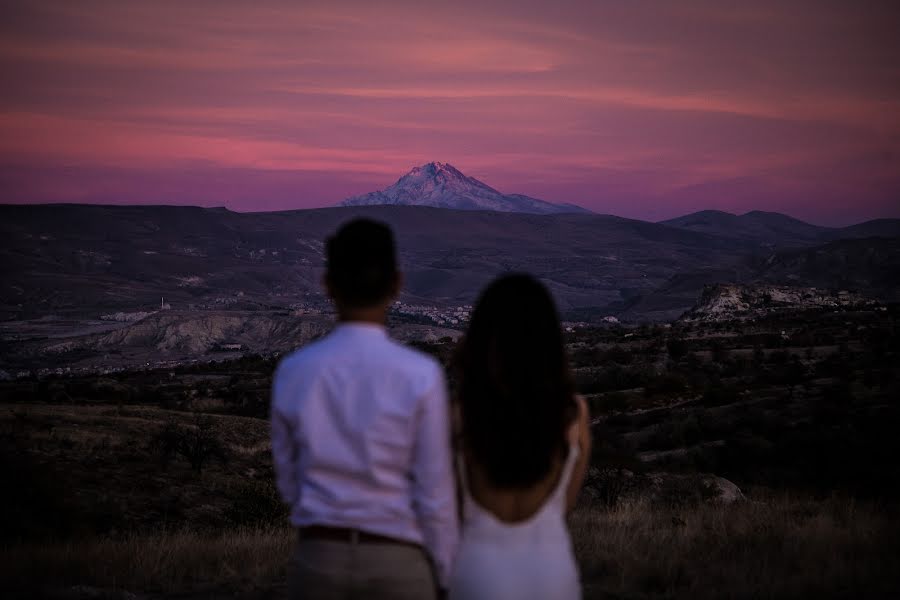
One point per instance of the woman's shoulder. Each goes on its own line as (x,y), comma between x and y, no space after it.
(581,420)
(581,403)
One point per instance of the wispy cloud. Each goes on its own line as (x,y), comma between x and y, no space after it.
(634,101)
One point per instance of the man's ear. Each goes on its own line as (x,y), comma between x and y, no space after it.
(326,285)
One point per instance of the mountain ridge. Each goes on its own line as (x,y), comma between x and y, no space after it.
(763,227)
(100,259)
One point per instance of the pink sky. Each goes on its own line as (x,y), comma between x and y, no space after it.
(639,109)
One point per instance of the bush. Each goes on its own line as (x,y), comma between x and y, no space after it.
(609,379)
(607,484)
(677,348)
(676,434)
(609,403)
(197,443)
(256,504)
(718,394)
(167,441)
(665,385)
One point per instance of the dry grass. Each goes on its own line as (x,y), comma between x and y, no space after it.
(775,549)
(244,560)
(783,547)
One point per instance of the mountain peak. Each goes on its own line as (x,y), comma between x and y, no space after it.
(441,185)
(434,167)
(437,170)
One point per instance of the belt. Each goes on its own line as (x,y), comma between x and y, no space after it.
(345,534)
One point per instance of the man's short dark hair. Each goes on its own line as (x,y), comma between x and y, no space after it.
(361,262)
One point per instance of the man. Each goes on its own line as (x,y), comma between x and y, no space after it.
(361,441)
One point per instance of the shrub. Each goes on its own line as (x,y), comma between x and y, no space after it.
(677,348)
(665,384)
(167,441)
(197,443)
(607,484)
(610,402)
(256,504)
(608,379)
(718,394)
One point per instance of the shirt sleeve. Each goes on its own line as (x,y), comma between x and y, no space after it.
(284,448)
(434,495)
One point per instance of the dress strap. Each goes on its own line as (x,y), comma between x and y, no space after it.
(461,471)
(467,505)
(571,458)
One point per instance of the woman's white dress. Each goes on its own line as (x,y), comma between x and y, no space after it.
(529,559)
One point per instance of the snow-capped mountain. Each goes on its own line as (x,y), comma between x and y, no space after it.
(441,185)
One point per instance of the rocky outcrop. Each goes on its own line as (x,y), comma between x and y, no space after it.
(205,335)
(611,486)
(725,302)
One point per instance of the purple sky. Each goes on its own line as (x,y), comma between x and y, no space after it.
(640,109)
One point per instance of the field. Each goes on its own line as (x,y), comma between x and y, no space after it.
(158,483)
(781,547)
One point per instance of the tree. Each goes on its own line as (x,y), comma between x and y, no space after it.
(199,444)
(677,348)
(196,443)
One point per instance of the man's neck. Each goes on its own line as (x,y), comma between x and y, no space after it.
(376,315)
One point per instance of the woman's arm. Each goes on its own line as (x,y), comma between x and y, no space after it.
(581,434)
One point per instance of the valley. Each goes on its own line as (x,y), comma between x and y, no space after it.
(113,287)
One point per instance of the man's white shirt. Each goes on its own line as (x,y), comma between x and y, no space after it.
(361,439)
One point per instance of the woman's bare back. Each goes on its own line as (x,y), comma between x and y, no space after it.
(516,505)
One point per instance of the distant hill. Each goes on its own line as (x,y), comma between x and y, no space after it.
(870,266)
(866,264)
(670,300)
(440,185)
(758,226)
(778,230)
(102,259)
(886,228)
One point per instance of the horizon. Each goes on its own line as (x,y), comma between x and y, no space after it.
(642,114)
(351,208)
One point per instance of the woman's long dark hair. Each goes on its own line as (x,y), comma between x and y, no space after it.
(515,390)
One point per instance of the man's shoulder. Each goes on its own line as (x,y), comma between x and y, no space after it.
(305,356)
(390,352)
(413,358)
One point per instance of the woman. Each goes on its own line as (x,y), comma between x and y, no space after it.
(524,443)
